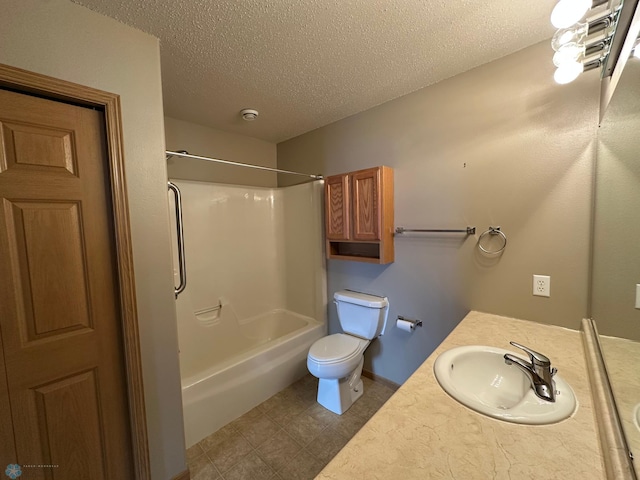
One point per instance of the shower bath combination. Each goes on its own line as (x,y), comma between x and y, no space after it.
(256,295)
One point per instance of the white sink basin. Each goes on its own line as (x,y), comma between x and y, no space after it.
(479,378)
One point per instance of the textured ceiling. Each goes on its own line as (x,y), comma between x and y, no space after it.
(306,63)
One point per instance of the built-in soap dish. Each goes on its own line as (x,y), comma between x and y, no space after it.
(210,316)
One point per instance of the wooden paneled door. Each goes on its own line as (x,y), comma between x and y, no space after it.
(63,388)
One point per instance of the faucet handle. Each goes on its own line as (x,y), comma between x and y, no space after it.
(535,357)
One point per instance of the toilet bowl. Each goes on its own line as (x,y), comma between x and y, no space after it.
(337,360)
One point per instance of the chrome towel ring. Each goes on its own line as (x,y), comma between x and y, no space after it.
(492,231)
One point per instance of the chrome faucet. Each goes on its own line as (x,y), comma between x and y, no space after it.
(539,372)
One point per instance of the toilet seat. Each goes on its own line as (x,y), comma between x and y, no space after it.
(335,356)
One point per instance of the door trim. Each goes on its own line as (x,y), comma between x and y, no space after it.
(55,89)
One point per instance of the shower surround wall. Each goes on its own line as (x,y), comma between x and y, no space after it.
(257,252)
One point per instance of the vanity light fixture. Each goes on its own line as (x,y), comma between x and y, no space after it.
(573,34)
(582,44)
(568,72)
(568,12)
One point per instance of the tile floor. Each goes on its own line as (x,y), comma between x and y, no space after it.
(287,437)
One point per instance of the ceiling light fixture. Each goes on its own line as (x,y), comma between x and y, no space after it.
(581,45)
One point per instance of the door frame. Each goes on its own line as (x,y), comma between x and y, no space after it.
(34,83)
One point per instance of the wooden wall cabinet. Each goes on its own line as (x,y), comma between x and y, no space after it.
(359,215)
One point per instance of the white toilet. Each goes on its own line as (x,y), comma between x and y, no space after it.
(337,359)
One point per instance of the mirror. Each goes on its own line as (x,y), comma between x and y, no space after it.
(616,249)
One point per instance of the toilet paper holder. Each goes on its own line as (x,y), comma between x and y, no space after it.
(413,321)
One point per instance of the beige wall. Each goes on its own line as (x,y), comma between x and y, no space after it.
(66,41)
(616,268)
(501,145)
(210,142)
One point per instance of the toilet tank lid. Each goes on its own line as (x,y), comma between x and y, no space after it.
(364,299)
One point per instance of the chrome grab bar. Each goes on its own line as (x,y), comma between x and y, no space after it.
(180,233)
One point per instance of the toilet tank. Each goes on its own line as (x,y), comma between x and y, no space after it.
(361,314)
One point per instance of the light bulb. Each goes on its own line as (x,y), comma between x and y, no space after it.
(568,72)
(568,12)
(573,34)
(568,53)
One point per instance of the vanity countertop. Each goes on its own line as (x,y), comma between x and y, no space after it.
(422,433)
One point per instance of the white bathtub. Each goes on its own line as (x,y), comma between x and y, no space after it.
(220,384)
(250,250)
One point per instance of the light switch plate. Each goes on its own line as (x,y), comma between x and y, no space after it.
(542,285)
(638,296)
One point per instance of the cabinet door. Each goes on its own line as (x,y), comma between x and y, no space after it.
(336,191)
(366,204)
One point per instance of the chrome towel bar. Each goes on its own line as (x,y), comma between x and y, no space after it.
(468,230)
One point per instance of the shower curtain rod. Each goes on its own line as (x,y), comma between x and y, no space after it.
(184,154)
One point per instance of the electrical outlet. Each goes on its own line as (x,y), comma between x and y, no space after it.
(542,285)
